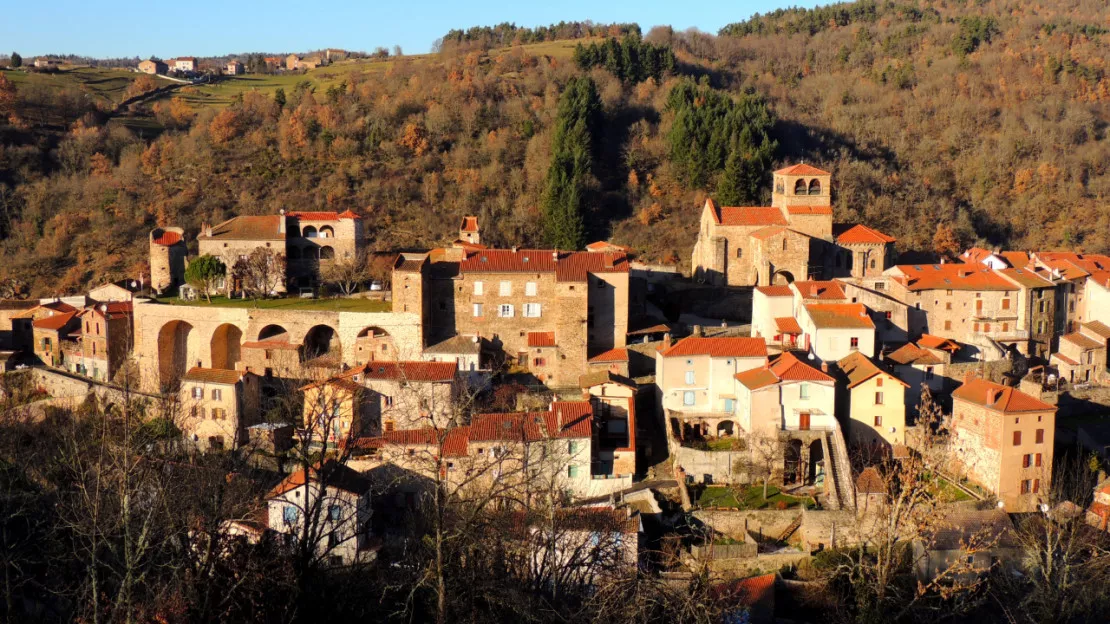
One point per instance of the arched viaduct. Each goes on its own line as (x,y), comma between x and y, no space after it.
(170,339)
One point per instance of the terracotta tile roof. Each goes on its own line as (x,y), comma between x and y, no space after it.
(976,255)
(862,235)
(951,276)
(541,339)
(999,398)
(769,231)
(455,441)
(1082,341)
(249,228)
(787,325)
(1026,278)
(565,419)
(756,593)
(751,215)
(470,345)
(619,354)
(1102,278)
(469,224)
(1063,358)
(809,210)
(870,482)
(332,474)
(1098,328)
(930,341)
(859,368)
(569,267)
(406,371)
(322,216)
(802,169)
(111,310)
(1016,259)
(911,354)
(829,289)
(343,383)
(777,290)
(607,246)
(410,262)
(786,367)
(167,239)
(654,329)
(839,316)
(54,322)
(962,525)
(213,375)
(718,347)
(1091,263)
(597,378)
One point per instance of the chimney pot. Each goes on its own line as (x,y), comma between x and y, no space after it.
(697,330)
(667,340)
(824,367)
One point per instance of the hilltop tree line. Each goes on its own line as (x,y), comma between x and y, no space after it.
(630,59)
(507,33)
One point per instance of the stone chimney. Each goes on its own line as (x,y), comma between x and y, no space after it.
(666,341)
(824,367)
(281,221)
(696,331)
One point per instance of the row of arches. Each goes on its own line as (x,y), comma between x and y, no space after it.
(311,253)
(310,231)
(225,347)
(813,188)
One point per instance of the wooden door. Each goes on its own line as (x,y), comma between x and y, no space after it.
(803,421)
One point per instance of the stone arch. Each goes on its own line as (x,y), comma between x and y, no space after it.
(273,332)
(782,277)
(327,232)
(321,340)
(725,429)
(800,187)
(814,187)
(173,345)
(224,346)
(817,460)
(791,464)
(375,343)
(327,253)
(308,231)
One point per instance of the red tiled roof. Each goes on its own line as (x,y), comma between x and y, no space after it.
(612,355)
(787,325)
(830,289)
(777,290)
(757,593)
(469,224)
(930,341)
(1065,359)
(809,210)
(786,367)
(168,238)
(739,347)
(111,310)
(757,378)
(751,215)
(769,231)
(999,398)
(322,216)
(332,474)
(859,368)
(951,276)
(54,322)
(607,246)
(213,375)
(1026,278)
(802,169)
(455,441)
(541,339)
(566,419)
(1017,259)
(1098,328)
(870,482)
(59,306)
(569,267)
(348,214)
(839,315)
(265,227)
(406,371)
(912,354)
(343,383)
(861,235)
(1082,341)
(976,255)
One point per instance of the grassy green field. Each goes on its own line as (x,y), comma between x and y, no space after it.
(750,498)
(107,86)
(290,303)
(950,493)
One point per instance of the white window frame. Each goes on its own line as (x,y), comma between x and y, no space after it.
(506,310)
(505,288)
(690,378)
(688,397)
(530,289)
(477,310)
(479,288)
(532,310)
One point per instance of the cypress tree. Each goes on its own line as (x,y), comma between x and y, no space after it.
(572,151)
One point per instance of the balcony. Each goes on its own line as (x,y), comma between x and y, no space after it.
(1003,335)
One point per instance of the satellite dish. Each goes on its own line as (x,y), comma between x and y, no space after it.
(810,357)
(134,284)
(1001,504)
(1043,507)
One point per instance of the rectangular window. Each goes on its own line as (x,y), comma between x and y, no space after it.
(928,373)
(290,514)
(530,289)
(986,327)
(333,513)
(1026,460)
(1005,304)
(688,398)
(198,393)
(948,325)
(477,310)
(803,391)
(539,362)
(1017,438)
(689,378)
(878,421)
(388,426)
(880,285)
(879,382)
(217,394)
(854,342)
(948,305)
(479,288)
(572,447)
(1040,436)
(531,310)
(505,310)
(888,315)
(505,289)
(975,326)
(1025,486)
(878,398)
(572,472)
(387,401)
(1037,460)
(730,405)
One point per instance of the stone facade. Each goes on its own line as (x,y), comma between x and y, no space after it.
(217,406)
(167,258)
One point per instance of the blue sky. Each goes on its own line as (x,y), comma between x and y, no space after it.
(126,28)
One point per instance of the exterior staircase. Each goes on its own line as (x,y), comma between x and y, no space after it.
(790,529)
(839,470)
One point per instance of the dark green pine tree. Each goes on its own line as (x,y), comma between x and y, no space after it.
(565,189)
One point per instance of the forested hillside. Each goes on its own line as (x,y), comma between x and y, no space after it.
(988,117)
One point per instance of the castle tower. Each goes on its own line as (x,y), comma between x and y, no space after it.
(802,193)
(468,231)
(167,258)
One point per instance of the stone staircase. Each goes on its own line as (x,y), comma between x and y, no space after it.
(790,529)
(839,470)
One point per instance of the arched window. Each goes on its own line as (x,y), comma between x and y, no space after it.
(872,263)
(294,253)
(800,187)
(778,186)
(814,187)
(327,253)
(327,232)
(309,231)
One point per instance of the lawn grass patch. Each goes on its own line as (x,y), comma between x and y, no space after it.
(751,497)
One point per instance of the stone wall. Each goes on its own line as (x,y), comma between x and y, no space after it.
(721,465)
